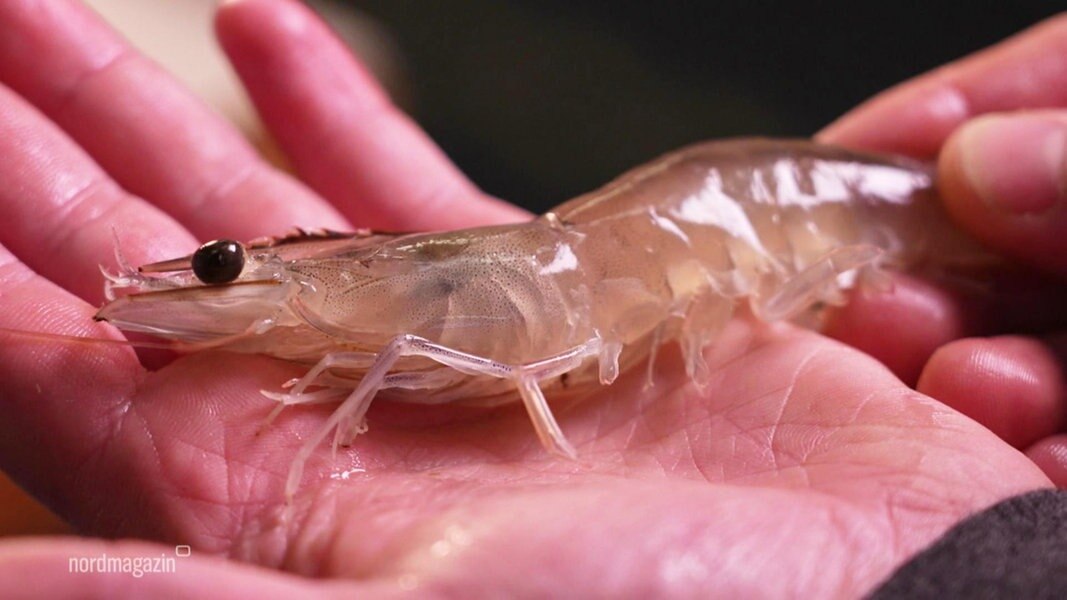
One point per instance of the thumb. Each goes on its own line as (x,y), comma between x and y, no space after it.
(1003,178)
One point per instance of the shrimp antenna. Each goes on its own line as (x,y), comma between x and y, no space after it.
(58,337)
(120,258)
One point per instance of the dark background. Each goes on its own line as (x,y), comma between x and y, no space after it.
(538,101)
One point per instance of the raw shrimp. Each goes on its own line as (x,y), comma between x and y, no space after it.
(666,252)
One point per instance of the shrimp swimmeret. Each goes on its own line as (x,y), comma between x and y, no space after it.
(666,252)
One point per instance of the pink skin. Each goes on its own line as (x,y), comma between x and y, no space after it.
(806,467)
(1003,176)
(343,135)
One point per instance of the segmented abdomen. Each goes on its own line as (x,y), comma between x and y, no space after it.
(697,230)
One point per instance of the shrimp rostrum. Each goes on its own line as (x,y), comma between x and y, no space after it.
(665,253)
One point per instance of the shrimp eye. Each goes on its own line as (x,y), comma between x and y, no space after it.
(219,261)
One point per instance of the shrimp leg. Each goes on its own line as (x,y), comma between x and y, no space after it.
(816,281)
(354,408)
(412,381)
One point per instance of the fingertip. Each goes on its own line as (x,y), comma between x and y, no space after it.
(1050,455)
(249,29)
(1013,163)
(291,13)
(912,119)
(235,6)
(279,46)
(1004,179)
(1011,385)
(238,20)
(1024,71)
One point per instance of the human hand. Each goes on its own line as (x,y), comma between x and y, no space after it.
(998,123)
(805,468)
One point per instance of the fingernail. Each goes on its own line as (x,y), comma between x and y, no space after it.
(1016,164)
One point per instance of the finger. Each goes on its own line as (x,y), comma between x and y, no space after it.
(338,127)
(1027,70)
(1050,455)
(148,132)
(61,213)
(61,402)
(1012,385)
(902,327)
(1004,178)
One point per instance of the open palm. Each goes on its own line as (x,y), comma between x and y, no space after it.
(805,465)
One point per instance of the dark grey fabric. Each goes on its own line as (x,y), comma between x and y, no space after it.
(1016,549)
